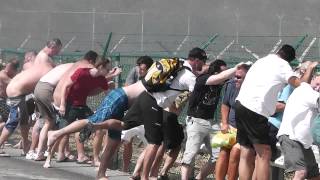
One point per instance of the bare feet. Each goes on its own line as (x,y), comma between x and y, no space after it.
(47,164)
(96,163)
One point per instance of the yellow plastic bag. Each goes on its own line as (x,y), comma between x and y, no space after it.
(226,140)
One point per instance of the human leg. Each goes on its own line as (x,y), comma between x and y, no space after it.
(234,162)
(31,155)
(263,158)
(246,164)
(97,144)
(157,161)
(196,134)
(222,164)
(150,153)
(43,138)
(109,149)
(127,154)
(138,168)
(209,167)
(71,128)
(169,161)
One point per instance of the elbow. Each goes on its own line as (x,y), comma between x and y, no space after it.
(294,81)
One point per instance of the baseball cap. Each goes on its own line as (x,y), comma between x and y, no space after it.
(198,53)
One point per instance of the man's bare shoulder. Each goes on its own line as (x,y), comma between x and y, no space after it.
(42,57)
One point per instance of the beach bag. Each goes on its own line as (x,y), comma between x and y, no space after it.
(226,140)
(161,73)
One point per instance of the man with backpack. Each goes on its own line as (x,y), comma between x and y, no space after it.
(149,107)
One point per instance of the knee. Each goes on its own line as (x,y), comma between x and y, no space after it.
(263,151)
(188,158)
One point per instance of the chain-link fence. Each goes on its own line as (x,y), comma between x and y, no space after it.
(229,48)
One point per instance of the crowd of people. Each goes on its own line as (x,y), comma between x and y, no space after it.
(264,102)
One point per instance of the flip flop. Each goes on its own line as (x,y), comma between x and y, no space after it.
(71,157)
(86,161)
(135,177)
(66,159)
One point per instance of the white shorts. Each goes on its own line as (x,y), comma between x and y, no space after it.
(138,131)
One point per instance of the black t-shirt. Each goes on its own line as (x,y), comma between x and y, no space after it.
(204,98)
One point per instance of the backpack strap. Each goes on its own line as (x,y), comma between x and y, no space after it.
(176,73)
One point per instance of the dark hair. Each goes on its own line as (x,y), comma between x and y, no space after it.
(54,43)
(215,66)
(287,53)
(101,61)
(91,56)
(147,60)
(198,53)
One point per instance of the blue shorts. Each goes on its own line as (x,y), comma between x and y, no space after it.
(113,106)
(18,112)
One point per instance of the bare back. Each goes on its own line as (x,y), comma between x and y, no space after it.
(25,82)
(68,74)
(4,81)
(134,90)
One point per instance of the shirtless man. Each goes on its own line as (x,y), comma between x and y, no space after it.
(112,107)
(87,62)
(29,58)
(6,75)
(23,84)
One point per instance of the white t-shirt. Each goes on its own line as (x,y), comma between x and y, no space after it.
(185,80)
(301,109)
(55,74)
(264,80)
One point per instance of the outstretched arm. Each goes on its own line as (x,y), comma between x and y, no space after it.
(113,73)
(307,75)
(224,75)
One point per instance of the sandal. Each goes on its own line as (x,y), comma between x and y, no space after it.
(86,161)
(135,177)
(66,159)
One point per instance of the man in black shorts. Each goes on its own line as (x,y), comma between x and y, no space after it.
(255,103)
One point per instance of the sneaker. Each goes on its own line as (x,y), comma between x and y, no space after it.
(86,132)
(46,153)
(31,155)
